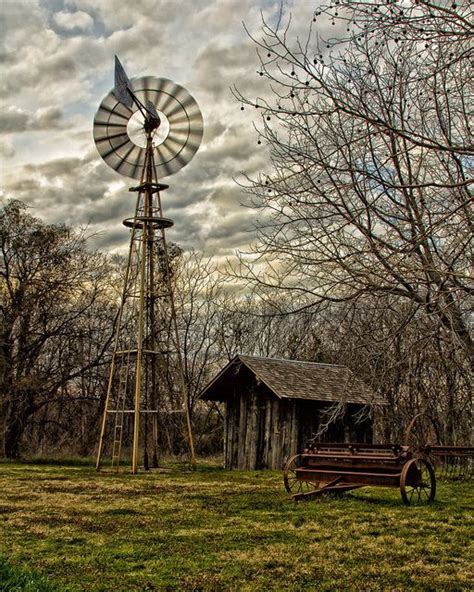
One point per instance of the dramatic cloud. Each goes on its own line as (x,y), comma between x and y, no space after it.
(74,20)
(6,148)
(57,60)
(15,119)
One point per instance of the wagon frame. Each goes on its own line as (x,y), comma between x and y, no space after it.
(336,468)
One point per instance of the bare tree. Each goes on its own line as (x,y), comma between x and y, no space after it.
(400,352)
(369,192)
(54,313)
(252,327)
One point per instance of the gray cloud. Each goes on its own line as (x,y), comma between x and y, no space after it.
(217,66)
(16,120)
(57,58)
(119,15)
(6,148)
(78,20)
(111,239)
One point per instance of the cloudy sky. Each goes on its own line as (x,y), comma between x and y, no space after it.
(57,59)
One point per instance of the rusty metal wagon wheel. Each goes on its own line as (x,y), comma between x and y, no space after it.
(417,482)
(421,431)
(294,485)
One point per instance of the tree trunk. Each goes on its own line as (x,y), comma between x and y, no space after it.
(12,437)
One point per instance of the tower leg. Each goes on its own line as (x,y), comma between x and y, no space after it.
(138,367)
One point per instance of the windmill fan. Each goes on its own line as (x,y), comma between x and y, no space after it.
(120,127)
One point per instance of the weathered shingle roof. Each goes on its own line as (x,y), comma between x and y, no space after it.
(293,379)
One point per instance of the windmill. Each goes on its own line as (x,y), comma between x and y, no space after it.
(145,128)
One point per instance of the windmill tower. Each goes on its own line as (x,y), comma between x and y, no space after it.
(145,128)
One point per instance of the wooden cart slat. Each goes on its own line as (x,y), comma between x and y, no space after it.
(360,477)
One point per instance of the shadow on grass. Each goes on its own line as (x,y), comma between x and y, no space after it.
(204,465)
(54,462)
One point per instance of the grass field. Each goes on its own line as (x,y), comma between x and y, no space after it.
(217,530)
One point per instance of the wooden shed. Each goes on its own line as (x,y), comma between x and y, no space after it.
(273,406)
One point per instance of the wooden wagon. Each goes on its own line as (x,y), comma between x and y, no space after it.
(337,468)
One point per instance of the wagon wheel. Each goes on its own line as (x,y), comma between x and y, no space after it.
(417,482)
(421,431)
(294,485)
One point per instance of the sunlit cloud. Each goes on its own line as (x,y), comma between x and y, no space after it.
(57,58)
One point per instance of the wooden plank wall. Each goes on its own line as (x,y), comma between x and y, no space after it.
(242,430)
(281,432)
(231,434)
(262,431)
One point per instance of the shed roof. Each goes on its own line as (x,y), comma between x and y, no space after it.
(293,379)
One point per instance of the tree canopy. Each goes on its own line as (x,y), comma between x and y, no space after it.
(369,191)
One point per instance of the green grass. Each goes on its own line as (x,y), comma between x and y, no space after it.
(16,579)
(218,530)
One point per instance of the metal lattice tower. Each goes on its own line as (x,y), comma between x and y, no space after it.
(145,128)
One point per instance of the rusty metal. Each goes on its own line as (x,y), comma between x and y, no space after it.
(336,468)
(421,430)
(452,463)
(417,482)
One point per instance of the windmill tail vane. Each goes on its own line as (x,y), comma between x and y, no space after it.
(123,87)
